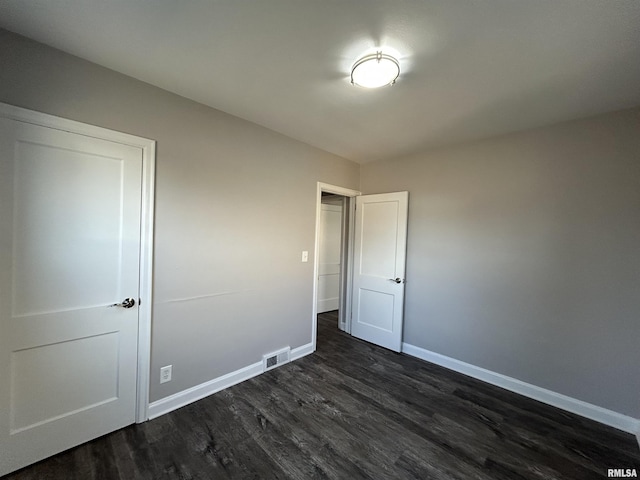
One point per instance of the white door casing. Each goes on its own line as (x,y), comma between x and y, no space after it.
(72,210)
(329,257)
(379,268)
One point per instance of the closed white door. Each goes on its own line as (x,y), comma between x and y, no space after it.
(69,249)
(379,268)
(329,255)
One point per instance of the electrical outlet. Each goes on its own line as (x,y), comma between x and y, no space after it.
(165,374)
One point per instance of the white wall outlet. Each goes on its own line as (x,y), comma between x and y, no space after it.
(165,374)
(305,256)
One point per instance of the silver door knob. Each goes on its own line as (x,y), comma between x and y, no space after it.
(397,280)
(126,303)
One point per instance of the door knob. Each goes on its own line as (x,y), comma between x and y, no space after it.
(126,303)
(397,280)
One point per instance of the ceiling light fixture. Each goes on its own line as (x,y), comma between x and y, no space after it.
(376,70)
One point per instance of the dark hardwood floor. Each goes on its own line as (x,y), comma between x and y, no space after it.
(349,411)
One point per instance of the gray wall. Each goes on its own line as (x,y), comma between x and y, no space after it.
(235,206)
(524,255)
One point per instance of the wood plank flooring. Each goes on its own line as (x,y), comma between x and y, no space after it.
(353,411)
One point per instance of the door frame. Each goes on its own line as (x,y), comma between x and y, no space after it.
(346,266)
(145,309)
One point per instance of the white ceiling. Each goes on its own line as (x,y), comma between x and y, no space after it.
(470,68)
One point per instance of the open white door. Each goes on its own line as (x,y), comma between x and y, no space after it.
(70,244)
(379,268)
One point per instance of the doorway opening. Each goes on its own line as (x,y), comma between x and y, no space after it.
(335,220)
(373,249)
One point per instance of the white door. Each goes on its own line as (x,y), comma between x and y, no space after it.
(379,268)
(69,248)
(329,255)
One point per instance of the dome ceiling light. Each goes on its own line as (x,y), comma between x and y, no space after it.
(376,70)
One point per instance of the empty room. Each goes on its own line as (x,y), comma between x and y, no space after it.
(296,239)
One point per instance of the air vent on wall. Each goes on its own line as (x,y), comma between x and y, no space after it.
(275,359)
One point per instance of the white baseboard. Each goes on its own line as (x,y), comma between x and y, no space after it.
(593,412)
(302,351)
(185,397)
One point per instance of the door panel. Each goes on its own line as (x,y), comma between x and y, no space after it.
(379,259)
(378,238)
(49,183)
(38,398)
(329,256)
(376,309)
(69,249)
